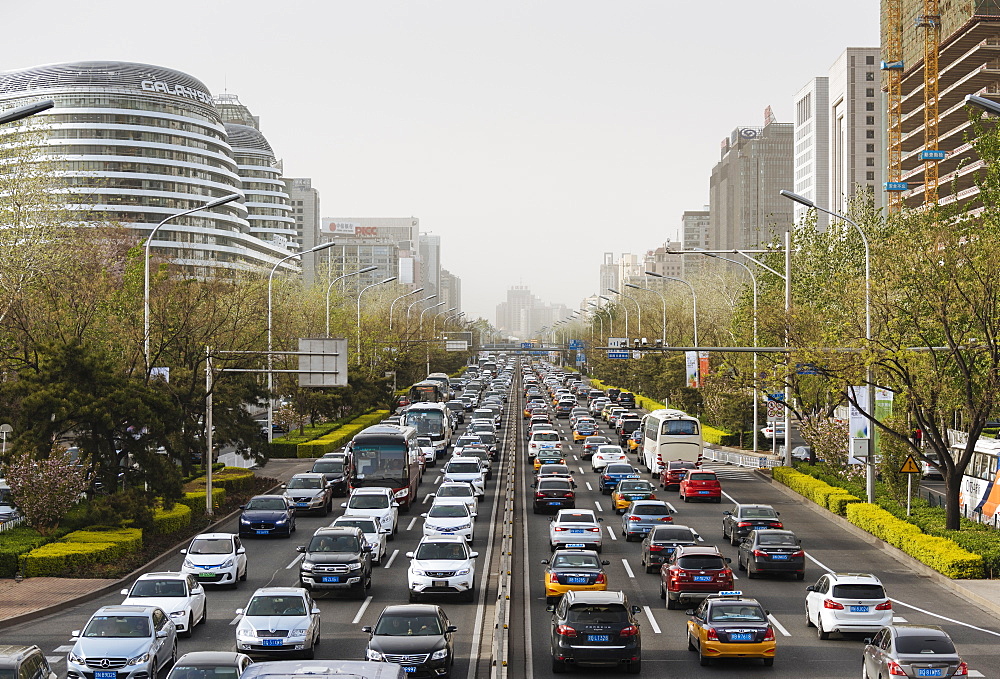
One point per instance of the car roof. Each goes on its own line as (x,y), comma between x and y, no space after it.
(658,503)
(279,497)
(209,658)
(855,578)
(411,609)
(443,538)
(732,598)
(279,590)
(12,652)
(217,536)
(754,506)
(338,530)
(773,531)
(577,552)
(910,630)
(697,549)
(111,610)
(562,512)
(371,490)
(307,475)
(163,575)
(597,597)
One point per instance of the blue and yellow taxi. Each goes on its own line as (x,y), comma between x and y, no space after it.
(574,569)
(730,625)
(584,427)
(629,490)
(548,457)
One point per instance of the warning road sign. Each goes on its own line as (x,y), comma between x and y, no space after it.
(910,466)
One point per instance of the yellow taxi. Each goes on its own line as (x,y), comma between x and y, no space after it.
(548,457)
(729,625)
(635,440)
(628,490)
(606,413)
(574,569)
(584,428)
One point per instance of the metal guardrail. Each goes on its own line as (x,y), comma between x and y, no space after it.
(13,523)
(740,459)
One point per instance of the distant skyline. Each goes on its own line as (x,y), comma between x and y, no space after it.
(531,136)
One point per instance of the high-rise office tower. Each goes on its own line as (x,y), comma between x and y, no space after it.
(304,201)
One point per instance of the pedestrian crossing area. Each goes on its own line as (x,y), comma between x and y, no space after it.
(728,472)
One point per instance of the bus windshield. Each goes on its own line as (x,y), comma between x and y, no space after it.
(425,392)
(426,422)
(679,428)
(380,463)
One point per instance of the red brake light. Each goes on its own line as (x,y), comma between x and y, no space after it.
(894,669)
(655,548)
(634,518)
(962,671)
(630,631)
(798,553)
(594,530)
(710,634)
(884,606)
(560,528)
(566,631)
(539,494)
(601,579)
(769,635)
(776,524)
(744,524)
(758,552)
(830,603)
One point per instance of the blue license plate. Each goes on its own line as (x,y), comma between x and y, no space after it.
(301,504)
(740,636)
(575,530)
(636,497)
(105,674)
(631,476)
(554,503)
(271,642)
(448,533)
(409,668)
(331,578)
(598,637)
(576,581)
(263,532)
(859,609)
(703,578)
(573,545)
(780,557)
(925,672)
(703,492)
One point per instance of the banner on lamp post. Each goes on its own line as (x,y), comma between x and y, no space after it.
(691,365)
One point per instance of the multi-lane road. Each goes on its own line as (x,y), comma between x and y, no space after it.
(917,599)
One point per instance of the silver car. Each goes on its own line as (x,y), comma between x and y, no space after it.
(644,515)
(123,642)
(575,529)
(911,651)
(278,621)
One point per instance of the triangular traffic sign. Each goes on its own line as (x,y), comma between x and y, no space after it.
(910,466)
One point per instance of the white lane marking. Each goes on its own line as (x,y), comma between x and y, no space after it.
(652,620)
(598,505)
(935,615)
(235,620)
(777,624)
(735,577)
(361,611)
(389,562)
(581,471)
(819,563)
(427,497)
(575,457)
(63,649)
(976,673)
(294,561)
(53,659)
(409,526)
(611,532)
(628,569)
(672,508)
(437,480)
(730,498)
(897,619)
(589,487)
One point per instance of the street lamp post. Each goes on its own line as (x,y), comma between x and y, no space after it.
(638,309)
(425,299)
(694,299)
(434,319)
(624,307)
(428,341)
(270,356)
(600,319)
(663,301)
(149,241)
(424,311)
(334,282)
(407,294)
(367,287)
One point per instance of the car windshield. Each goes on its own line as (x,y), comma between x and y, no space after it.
(619,469)
(736,613)
(333,543)
(575,561)
(203,672)
(634,487)
(366,501)
(210,546)
(545,436)
(763,538)
(595,440)
(679,428)
(650,510)
(597,614)
(488,437)
(331,467)
(121,626)
(554,470)
(366,525)
(424,442)
(298,482)
(680,466)
(701,476)
(409,626)
(448,551)
(704,562)
(454,491)
(554,485)
(858,591)
(758,513)
(576,517)
(924,645)
(468,440)
(276,605)
(609,450)
(449,511)
(463,468)
(672,535)
(267,503)
(158,588)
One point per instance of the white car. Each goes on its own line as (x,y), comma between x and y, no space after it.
(774,431)
(606,455)
(373,536)
(426,446)
(216,559)
(575,529)
(178,594)
(449,519)
(456,493)
(376,503)
(288,609)
(464,440)
(442,565)
(544,439)
(847,602)
(466,470)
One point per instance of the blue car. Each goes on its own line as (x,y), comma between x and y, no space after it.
(614,473)
(266,515)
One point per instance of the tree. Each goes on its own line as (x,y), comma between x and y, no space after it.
(45,489)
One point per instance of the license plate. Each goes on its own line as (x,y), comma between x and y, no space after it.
(631,476)
(576,581)
(105,674)
(598,637)
(635,497)
(859,609)
(206,575)
(448,533)
(703,578)
(271,642)
(554,503)
(703,492)
(439,583)
(331,578)
(409,668)
(573,545)
(737,636)
(263,532)
(924,672)
(780,557)
(575,530)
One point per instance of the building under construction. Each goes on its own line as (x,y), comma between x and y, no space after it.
(935,52)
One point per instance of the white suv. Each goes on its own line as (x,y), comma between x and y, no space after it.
(377,503)
(457,493)
(442,564)
(576,529)
(449,519)
(178,594)
(847,602)
(466,470)
(545,439)
(216,558)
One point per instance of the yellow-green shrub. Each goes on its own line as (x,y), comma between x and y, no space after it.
(81,549)
(340,436)
(196,499)
(232,479)
(171,520)
(837,502)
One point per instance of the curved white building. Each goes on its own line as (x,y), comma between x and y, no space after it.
(137,143)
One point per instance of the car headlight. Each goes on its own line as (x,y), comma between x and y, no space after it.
(306,566)
(245,633)
(372,654)
(187,564)
(74,658)
(418,573)
(438,655)
(401,493)
(177,614)
(139,659)
(464,571)
(299,631)
(244,519)
(228,563)
(464,526)
(354,566)
(278,522)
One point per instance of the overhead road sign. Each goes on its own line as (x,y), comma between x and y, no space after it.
(575,344)
(897,186)
(618,342)
(625,354)
(456,345)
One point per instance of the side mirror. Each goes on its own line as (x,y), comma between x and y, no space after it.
(343,504)
(386,531)
(450,628)
(636,609)
(315,610)
(727,513)
(601,519)
(239,611)
(550,608)
(395,504)
(409,555)
(728,560)
(161,634)
(868,641)
(473,514)
(424,515)
(241,550)
(300,549)
(125,592)
(75,634)
(432,495)
(605,563)
(767,612)
(545,561)
(367,628)
(184,551)
(811,588)
(473,555)
(777,513)
(689,611)
(241,507)
(534,485)
(284,486)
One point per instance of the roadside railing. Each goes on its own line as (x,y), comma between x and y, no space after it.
(740,459)
(12,523)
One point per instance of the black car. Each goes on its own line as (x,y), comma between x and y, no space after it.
(661,542)
(771,551)
(265,515)
(626,426)
(626,399)
(417,636)
(591,444)
(741,519)
(597,629)
(554,494)
(336,559)
(334,467)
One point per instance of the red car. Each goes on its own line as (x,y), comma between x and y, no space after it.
(673,472)
(701,484)
(692,573)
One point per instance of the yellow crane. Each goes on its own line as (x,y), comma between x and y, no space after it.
(930,22)
(892,64)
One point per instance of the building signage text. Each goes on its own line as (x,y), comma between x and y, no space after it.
(178,90)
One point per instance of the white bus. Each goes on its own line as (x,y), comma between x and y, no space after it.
(433,420)
(445,382)
(669,435)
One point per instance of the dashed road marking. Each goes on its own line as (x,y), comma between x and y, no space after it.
(652,620)
(427,497)
(391,558)
(361,611)
(294,561)
(777,624)
(63,649)
(589,487)
(53,659)
(437,480)
(598,505)
(896,619)
(581,471)
(628,569)
(409,526)
(235,620)
(611,532)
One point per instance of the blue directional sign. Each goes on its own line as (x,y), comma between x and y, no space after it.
(620,354)
(933,155)
(575,344)
(581,359)
(527,345)
(897,186)
(776,397)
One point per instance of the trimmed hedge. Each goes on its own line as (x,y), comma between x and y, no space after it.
(337,438)
(233,479)
(171,520)
(81,549)
(196,499)
(14,543)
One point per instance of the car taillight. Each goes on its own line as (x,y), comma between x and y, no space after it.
(776,524)
(962,671)
(634,518)
(758,552)
(601,579)
(710,634)
(594,530)
(830,603)
(565,631)
(539,494)
(630,631)
(894,669)
(570,494)
(744,524)
(769,635)
(798,553)
(560,528)
(656,548)
(884,606)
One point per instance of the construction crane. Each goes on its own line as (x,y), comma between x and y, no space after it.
(930,22)
(892,64)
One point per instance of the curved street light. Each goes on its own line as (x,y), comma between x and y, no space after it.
(407,294)
(424,311)
(638,308)
(434,319)
(663,300)
(694,300)
(368,287)
(425,299)
(334,282)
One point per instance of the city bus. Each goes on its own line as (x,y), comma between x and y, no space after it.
(444,381)
(427,391)
(979,494)
(430,419)
(386,456)
(669,435)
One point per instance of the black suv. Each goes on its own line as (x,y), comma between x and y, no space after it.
(595,628)
(416,636)
(335,467)
(626,399)
(337,559)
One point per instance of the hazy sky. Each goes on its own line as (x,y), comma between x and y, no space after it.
(531,135)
